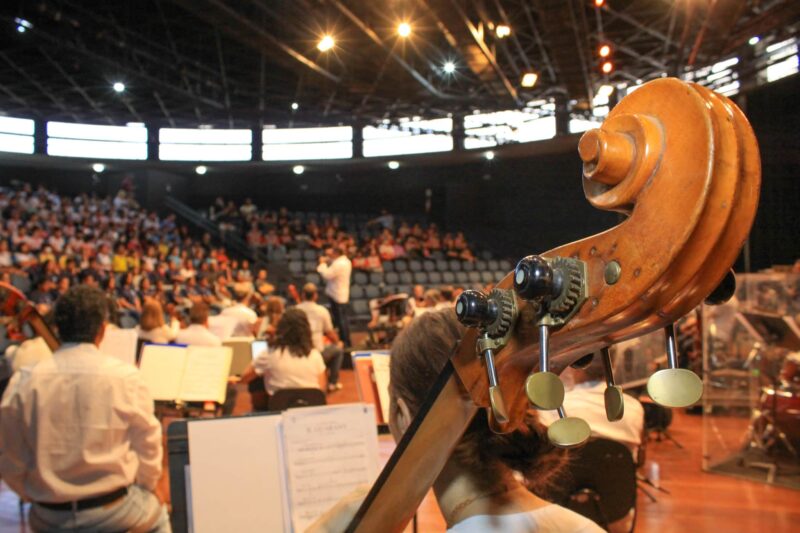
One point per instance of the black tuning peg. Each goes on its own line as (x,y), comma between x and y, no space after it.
(724,291)
(474,309)
(535,279)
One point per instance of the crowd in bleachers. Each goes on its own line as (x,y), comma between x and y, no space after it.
(369,242)
(51,242)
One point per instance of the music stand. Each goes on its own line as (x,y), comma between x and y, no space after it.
(771,329)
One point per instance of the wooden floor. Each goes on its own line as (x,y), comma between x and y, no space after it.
(698,501)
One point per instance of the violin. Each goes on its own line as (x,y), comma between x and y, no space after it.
(16,311)
(682,164)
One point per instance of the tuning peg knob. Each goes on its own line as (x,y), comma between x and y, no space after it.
(613,395)
(673,386)
(568,431)
(535,279)
(724,291)
(474,309)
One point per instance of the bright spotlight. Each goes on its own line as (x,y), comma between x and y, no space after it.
(326,43)
(449,67)
(599,3)
(529,79)
(394,165)
(502,31)
(605,91)
(119,86)
(23,25)
(607,67)
(201,169)
(754,40)
(489,155)
(404,29)
(295,106)
(21,28)
(98,167)
(604,51)
(298,169)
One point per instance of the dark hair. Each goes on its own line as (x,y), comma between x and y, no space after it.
(198,314)
(80,313)
(294,333)
(418,355)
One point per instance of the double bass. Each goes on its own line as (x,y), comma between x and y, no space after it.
(682,164)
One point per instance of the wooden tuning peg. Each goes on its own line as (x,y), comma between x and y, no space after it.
(613,395)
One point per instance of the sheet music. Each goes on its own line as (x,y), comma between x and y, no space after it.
(222,326)
(205,376)
(237,475)
(120,343)
(329,452)
(162,368)
(380,367)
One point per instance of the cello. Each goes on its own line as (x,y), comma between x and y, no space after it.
(16,311)
(682,164)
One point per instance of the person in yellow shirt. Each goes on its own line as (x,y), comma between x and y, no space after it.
(119,263)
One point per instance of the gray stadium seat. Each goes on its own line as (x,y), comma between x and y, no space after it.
(414,265)
(391,278)
(360,278)
(428,265)
(404,288)
(295,255)
(487,277)
(388,266)
(400,265)
(311,255)
(467,266)
(356,292)
(376,278)
(505,264)
(455,265)
(474,277)
(360,309)
(295,267)
(372,291)
(310,266)
(499,274)
(493,264)
(434,278)
(313,277)
(442,266)
(448,278)
(461,278)
(480,265)
(421,278)
(406,278)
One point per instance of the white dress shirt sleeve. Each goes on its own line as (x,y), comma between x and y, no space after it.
(15,455)
(145,432)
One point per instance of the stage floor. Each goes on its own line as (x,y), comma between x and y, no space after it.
(698,501)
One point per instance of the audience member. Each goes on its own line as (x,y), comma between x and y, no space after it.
(247,321)
(152,327)
(197,333)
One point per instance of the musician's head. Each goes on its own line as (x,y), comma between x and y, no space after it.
(81,314)
(198,314)
(418,355)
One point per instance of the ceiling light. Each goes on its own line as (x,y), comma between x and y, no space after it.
(394,165)
(599,3)
(98,167)
(449,67)
(23,25)
(298,169)
(605,91)
(119,86)
(754,40)
(201,169)
(489,155)
(404,29)
(607,67)
(326,43)
(604,51)
(295,106)
(529,79)
(502,31)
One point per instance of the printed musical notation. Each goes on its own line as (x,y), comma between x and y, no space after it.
(329,452)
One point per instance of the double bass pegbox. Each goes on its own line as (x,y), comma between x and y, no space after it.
(494,316)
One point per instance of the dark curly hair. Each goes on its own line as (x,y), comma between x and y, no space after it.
(294,333)
(80,313)
(418,355)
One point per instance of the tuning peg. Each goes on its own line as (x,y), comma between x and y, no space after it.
(495,394)
(568,431)
(544,389)
(724,291)
(535,279)
(474,309)
(673,386)
(614,401)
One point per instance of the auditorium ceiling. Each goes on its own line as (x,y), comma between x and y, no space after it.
(244,63)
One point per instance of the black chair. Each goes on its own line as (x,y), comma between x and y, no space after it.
(288,398)
(599,483)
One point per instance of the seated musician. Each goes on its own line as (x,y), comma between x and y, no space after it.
(78,436)
(585,400)
(291,362)
(478,490)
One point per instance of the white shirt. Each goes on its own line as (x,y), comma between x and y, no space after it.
(320,321)
(282,370)
(197,335)
(337,276)
(549,519)
(586,401)
(29,353)
(78,425)
(160,335)
(245,318)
